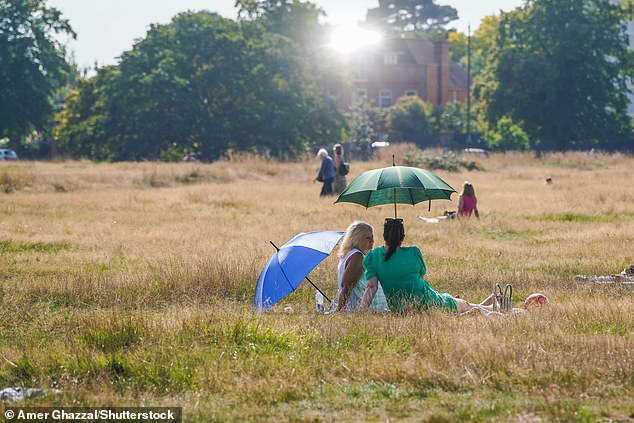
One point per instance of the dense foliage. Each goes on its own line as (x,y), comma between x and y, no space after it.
(507,136)
(32,66)
(415,120)
(410,15)
(562,68)
(201,83)
(364,121)
(482,42)
(410,114)
(553,71)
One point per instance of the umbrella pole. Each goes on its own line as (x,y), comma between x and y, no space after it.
(322,292)
(394,164)
(311,282)
(394,203)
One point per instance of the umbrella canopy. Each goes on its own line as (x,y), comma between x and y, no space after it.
(291,264)
(395,184)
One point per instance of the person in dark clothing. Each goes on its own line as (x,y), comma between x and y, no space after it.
(326,173)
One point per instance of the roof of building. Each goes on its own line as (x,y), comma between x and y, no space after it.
(422,50)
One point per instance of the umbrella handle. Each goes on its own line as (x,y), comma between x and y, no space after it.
(311,282)
(322,292)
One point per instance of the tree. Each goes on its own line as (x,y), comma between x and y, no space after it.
(364,120)
(482,43)
(32,66)
(507,136)
(87,126)
(410,15)
(298,20)
(450,118)
(562,68)
(201,83)
(411,115)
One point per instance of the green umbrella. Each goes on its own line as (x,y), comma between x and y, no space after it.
(395,184)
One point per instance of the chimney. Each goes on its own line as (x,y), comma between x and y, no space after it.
(441,56)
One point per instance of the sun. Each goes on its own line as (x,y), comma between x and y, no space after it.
(347,39)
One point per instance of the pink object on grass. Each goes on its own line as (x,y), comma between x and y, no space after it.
(536,299)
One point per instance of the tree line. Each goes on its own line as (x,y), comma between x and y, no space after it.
(551,72)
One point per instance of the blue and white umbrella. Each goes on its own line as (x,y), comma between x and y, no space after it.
(291,264)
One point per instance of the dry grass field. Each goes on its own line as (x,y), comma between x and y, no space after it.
(133,283)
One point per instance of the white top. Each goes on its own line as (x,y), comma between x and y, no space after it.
(356,295)
(353,301)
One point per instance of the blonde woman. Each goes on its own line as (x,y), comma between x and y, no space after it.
(357,241)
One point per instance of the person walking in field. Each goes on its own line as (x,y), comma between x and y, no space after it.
(340,169)
(326,173)
(467,202)
(356,243)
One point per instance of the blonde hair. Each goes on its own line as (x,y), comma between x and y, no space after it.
(338,149)
(467,189)
(354,236)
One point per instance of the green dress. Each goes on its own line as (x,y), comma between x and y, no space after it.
(402,280)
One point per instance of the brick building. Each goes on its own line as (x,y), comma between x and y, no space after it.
(398,67)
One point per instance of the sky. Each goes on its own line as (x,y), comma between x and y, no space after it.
(105,29)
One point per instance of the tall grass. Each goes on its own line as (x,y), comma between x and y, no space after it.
(133,285)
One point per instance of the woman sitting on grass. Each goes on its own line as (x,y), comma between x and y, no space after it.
(357,241)
(467,205)
(401,270)
(467,202)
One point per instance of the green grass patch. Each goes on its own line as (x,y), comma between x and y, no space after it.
(8,246)
(61,300)
(110,340)
(554,271)
(508,234)
(616,327)
(580,218)
(155,370)
(23,370)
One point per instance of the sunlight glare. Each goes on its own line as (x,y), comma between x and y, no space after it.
(346,39)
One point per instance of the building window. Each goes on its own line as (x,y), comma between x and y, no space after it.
(390,58)
(385,98)
(411,93)
(360,73)
(358,94)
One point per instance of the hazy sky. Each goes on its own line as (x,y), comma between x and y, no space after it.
(105,29)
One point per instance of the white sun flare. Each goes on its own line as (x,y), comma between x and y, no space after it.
(346,39)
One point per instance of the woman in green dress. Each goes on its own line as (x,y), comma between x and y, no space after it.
(401,270)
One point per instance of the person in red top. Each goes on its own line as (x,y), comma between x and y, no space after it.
(467,202)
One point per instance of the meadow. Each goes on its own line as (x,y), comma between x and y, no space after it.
(132,284)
